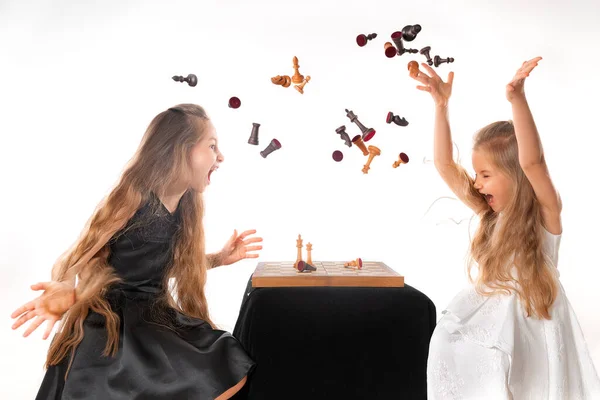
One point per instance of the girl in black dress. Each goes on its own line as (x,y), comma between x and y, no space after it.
(130,292)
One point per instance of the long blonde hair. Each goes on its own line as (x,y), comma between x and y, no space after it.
(162,158)
(519,233)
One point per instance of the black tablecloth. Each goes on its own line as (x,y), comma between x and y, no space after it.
(336,342)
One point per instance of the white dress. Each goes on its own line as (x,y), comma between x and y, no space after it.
(486,348)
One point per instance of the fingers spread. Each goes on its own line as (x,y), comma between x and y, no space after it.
(24,318)
(24,308)
(33,326)
(424,88)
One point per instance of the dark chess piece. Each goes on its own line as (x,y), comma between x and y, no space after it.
(425,51)
(400,49)
(304,266)
(409,32)
(274,145)
(395,119)
(367,133)
(342,132)
(191,79)
(254,134)
(234,102)
(338,156)
(362,40)
(437,60)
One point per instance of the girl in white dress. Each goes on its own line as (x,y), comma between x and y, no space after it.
(511,333)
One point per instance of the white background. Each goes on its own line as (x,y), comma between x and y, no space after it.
(80,81)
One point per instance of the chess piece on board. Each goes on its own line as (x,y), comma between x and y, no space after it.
(274,145)
(300,87)
(338,155)
(305,266)
(437,60)
(373,151)
(367,133)
(254,134)
(402,159)
(425,51)
(191,79)
(234,102)
(282,80)
(297,78)
(395,119)
(362,40)
(354,263)
(357,140)
(299,255)
(308,253)
(342,132)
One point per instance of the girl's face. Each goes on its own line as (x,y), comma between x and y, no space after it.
(490,181)
(205,157)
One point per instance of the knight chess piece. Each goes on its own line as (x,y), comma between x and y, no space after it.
(191,79)
(274,145)
(282,80)
(373,151)
(234,102)
(342,132)
(402,159)
(298,77)
(362,40)
(395,119)
(354,263)
(304,266)
(425,51)
(300,87)
(299,255)
(367,133)
(437,60)
(254,134)
(337,156)
(357,140)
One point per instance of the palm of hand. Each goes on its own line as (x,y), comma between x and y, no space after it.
(237,247)
(517,85)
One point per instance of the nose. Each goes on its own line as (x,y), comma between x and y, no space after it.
(220,157)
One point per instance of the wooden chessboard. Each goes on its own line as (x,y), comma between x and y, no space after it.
(328,273)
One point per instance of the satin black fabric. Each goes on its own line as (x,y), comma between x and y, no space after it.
(163,354)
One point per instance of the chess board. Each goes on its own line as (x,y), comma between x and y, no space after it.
(328,273)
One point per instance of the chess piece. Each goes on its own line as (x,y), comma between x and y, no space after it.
(354,263)
(413,68)
(234,102)
(357,140)
(361,39)
(409,32)
(367,133)
(254,134)
(342,132)
(390,50)
(305,266)
(299,246)
(338,155)
(395,119)
(297,78)
(373,151)
(191,79)
(397,39)
(437,60)
(300,87)
(425,51)
(274,145)
(282,80)
(402,159)
(308,255)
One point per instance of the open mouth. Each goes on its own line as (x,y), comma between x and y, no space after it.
(489,198)
(213,169)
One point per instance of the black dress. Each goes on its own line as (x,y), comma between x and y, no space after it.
(181,359)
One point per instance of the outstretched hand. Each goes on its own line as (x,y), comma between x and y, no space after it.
(57,298)
(238,247)
(516,87)
(439,90)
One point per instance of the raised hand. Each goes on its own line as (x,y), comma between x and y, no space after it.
(237,248)
(516,87)
(432,83)
(57,298)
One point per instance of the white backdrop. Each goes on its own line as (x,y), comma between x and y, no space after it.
(80,81)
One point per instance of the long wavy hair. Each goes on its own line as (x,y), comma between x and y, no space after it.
(518,235)
(162,158)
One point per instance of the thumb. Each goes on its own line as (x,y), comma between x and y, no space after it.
(234,233)
(450,77)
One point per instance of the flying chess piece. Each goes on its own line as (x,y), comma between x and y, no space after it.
(308,255)
(362,40)
(254,134)
(354,263)
(338,155)
(191,79)
(300,87)
(274,145)
(425,51)
(437,60)
(367,133)
(391,51)
(282,80)
(402,159)
(304,266)
(299,246)
(234,102)
(297,78)
(413,69)
(395,119)
(410,32)
(342,132)
(357,140)
(373,151)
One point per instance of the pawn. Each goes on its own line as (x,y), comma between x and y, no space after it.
(300,87)
(191,79)
(298,77)
(402,159)
(282,80)
(396,119)
(390,50)
(409,32)
(362,40)
(413,68)
(437,60)
(342,132)
(234,102)
(337,156)
(274,145)
(373,151)
(304,266)
(254,134)
(354,263)
(425,51)
(357,140)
